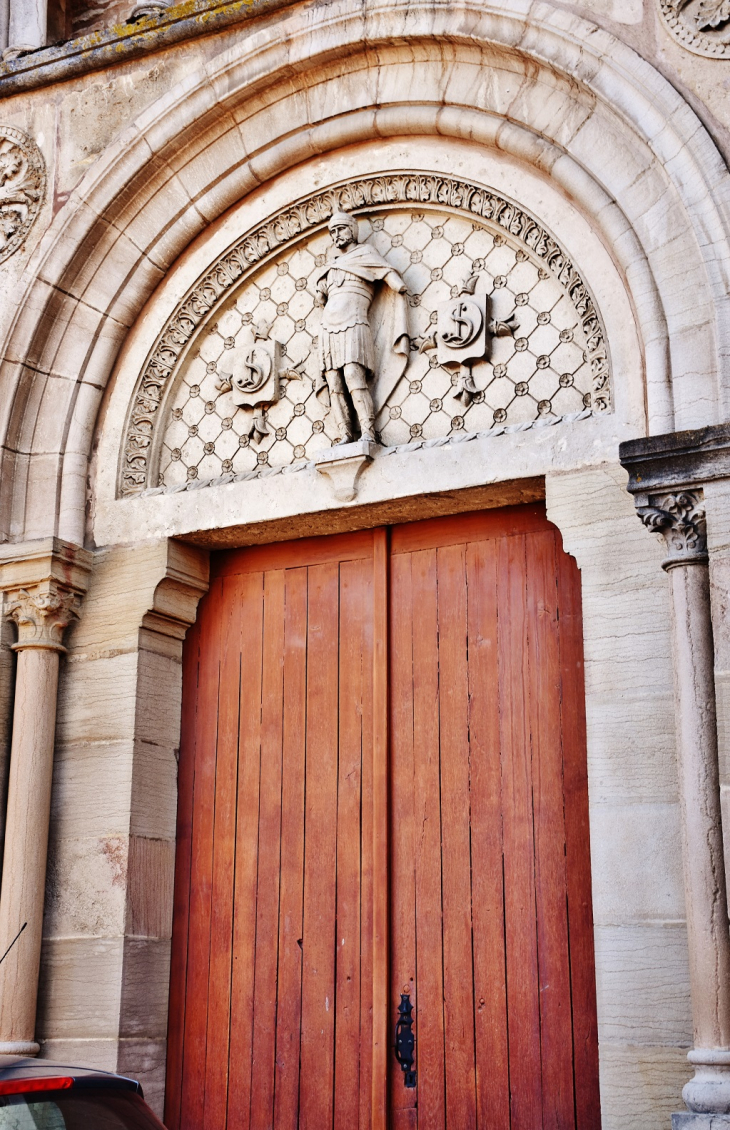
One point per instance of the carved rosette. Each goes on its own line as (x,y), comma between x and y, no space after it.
(22,187)
(681,519)
(702,26)
(42,614)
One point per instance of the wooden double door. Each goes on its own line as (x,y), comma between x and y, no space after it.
(382,789)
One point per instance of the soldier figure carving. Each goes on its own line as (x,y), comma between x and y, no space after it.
(346,288)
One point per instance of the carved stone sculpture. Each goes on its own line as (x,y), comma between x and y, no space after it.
(266,253)
(42,614)
(256,371)
(345,288)
(681,519)
(703,26)
(22,187)
(462,335)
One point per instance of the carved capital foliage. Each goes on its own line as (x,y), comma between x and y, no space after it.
(680,518)
(42,614)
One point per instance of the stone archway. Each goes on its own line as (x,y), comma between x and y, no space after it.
(549,93)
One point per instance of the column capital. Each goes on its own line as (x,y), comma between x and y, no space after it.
(680,517)
(667,474)
(43,583)
(42,615)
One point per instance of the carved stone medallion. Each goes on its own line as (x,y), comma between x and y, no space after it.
(538,351)
(702,26)
(22,187)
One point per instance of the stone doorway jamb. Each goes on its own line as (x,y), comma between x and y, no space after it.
(670,477)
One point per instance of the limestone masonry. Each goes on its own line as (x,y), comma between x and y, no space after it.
(280,269)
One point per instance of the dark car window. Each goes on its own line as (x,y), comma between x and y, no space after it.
(83,1110)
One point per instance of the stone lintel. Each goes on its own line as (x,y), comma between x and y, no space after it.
(676,460)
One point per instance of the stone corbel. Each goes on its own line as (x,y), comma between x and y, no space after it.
(343,466)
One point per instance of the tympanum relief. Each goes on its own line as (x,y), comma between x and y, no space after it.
(415,307)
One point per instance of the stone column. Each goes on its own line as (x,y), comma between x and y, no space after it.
(680,517)
(42,608)
(26,26)
(667,477)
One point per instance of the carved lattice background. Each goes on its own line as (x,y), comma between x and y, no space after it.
(543,370)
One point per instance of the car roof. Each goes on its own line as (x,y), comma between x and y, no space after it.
(24,1067)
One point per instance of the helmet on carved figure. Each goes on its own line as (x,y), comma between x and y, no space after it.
(344,219)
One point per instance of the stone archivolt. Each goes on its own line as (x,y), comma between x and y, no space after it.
(518,260)
(22,187)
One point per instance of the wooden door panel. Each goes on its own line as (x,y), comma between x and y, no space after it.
(458,642)
(272,969)
(490,885)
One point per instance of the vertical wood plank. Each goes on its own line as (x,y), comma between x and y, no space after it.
(201,875)
(366,862)
(490,989)
(547,791)
(354,593)
(247,823)
(429,988)
(320,847)
(456,839)
(381,1026)
(523,1012)
(181,901)
(224,842)
(269,855)
(577,836)
(402,924)
(289,1007)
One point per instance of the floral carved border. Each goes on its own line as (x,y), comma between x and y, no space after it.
(290,224)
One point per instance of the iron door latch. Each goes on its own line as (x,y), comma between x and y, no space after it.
(405,1041)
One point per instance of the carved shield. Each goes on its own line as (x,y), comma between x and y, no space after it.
(253,370)
(461,332)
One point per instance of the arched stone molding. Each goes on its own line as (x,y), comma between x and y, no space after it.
(404,473)
(538,83)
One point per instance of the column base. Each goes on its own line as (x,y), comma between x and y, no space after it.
(19,1047)
(690,1120)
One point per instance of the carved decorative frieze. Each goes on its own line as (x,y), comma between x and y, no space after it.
(702,26)
(22,187)
(422,205)
(42,614)
(680,518)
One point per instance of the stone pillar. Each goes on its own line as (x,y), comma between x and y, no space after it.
(680,518)
(26,26)
(666,478)
(53,579)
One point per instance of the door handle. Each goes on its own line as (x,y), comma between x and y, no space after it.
(405,1041)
